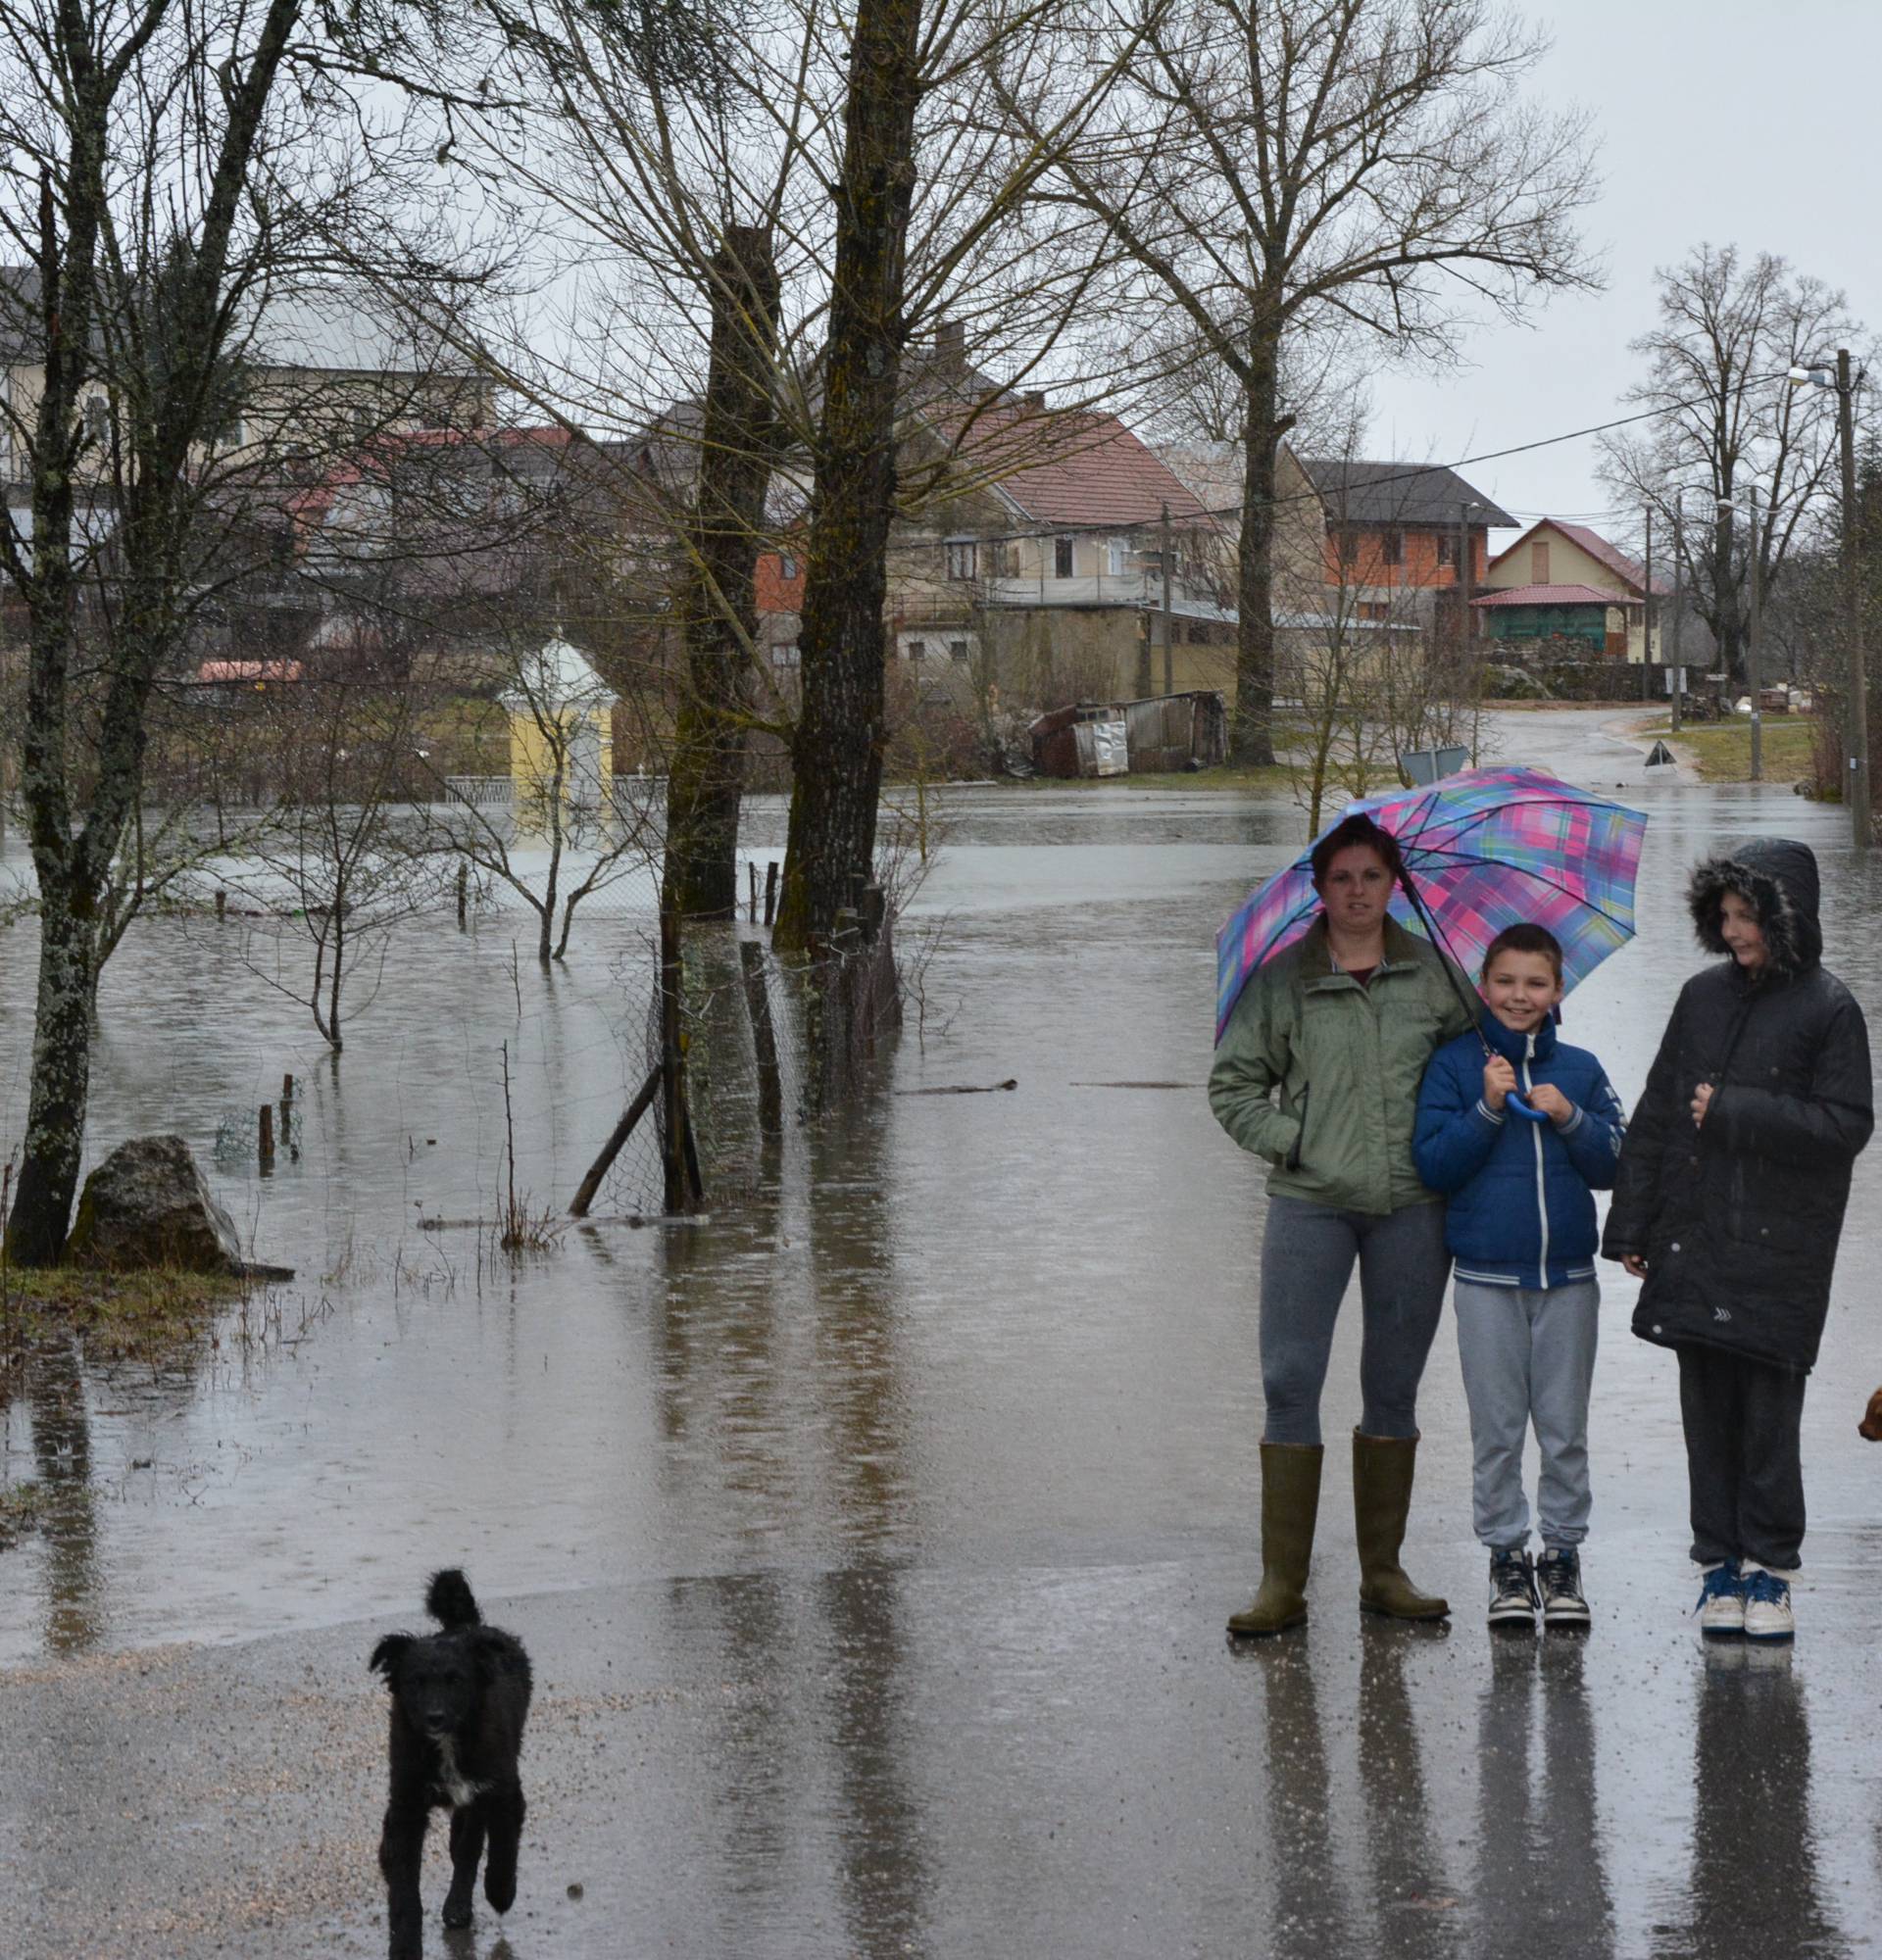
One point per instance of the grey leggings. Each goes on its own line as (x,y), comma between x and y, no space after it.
(1307,1259)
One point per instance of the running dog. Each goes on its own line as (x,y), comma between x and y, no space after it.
(460,1698)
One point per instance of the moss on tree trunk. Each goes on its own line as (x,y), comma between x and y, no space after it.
(706,777)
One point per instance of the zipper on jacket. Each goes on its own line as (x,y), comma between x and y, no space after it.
(1542,1175)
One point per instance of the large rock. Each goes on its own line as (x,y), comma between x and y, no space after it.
(147,1205)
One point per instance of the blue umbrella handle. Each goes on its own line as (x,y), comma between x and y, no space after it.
(1514,1101)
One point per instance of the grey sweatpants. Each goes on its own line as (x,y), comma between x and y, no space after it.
(1307,1260)
(1528,1355)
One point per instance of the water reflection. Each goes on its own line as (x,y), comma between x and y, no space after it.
(1407,1874)
(1310,1890)
(1755,1883)
(1539,1849)
(74,1610)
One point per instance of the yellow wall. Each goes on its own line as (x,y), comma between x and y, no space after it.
(533,754)
(1568,565)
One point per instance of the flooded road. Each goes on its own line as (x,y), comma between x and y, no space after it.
(875,1548)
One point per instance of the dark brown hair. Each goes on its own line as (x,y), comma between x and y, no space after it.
(1351,831)
(1524,939)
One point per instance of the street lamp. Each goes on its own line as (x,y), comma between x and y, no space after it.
(1845,384)
(1723,505)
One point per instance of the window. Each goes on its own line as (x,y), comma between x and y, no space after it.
(961,557)
(786,564)
(1446,549)
(95,405)
(918,650)
(787,657)
(957,650)
(1346,541)
(1063,556)
(1118,558)
(1539,564)
(1392,547)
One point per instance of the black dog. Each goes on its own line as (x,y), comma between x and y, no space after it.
(459,1701)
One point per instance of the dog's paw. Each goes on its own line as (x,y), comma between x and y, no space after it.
(501,1893)
(456,1915)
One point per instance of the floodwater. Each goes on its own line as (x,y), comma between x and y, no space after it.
(873,1535)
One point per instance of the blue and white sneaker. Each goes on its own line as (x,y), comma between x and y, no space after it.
(1768,1606)
(1721,1599)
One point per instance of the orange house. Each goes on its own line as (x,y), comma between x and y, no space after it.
(1395,531)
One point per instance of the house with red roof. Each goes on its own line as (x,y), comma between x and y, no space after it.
(1028,560)
(1060,551)
(1565,581)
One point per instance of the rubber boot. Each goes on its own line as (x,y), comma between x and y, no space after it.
(1382,1469)
(1290,1501)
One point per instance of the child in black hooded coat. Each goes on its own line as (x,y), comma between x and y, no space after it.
(1729,1199)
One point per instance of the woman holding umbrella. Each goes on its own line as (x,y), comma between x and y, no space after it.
(1317,1070)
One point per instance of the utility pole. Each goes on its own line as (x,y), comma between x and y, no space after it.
(1859,785)
(1751,637)
(1676,668)
(1466,643)
(1647,612)
(1169,657)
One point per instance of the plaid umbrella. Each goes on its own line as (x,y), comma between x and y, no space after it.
(1483,849)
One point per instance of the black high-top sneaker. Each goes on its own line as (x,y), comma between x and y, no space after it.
(1512,1589)
(1558,1575)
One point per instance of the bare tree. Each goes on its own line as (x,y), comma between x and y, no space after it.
(570,831)
(159,165)
(338,869)
(1725,418)
(1274,166)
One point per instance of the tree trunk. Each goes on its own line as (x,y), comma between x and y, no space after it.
(836,753)
(1251,728)
(61,1076)
(706,776)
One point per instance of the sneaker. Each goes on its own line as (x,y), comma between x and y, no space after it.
(1559,1579)
(1512,1589)
(1721,1599)
(1768,1606)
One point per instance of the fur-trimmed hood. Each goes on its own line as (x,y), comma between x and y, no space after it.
(1778,876)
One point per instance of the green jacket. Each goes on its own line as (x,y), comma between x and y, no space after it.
(1319,1075)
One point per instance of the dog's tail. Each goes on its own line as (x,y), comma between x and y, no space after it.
(449,1599)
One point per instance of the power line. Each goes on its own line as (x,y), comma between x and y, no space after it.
(1409,474)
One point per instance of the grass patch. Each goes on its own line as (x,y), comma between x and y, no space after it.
(152,1317)
(1722,752)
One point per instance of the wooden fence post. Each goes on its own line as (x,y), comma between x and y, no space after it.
(757,1002)
(683,1188)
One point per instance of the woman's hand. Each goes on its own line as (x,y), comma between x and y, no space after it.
(1552,1103)
(1498,1081)
(1635,1263)
(1702,1102)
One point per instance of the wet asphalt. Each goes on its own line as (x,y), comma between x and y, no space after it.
(873,1546)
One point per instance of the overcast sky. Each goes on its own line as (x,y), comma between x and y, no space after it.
(1745,121)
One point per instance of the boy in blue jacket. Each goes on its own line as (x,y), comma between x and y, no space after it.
(1520,1226)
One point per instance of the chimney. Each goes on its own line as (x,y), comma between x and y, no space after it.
(1034,399)
(950,346)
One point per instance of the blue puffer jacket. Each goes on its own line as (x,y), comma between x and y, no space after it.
(1521,1213)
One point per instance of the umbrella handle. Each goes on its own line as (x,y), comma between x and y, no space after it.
(1514,1101)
